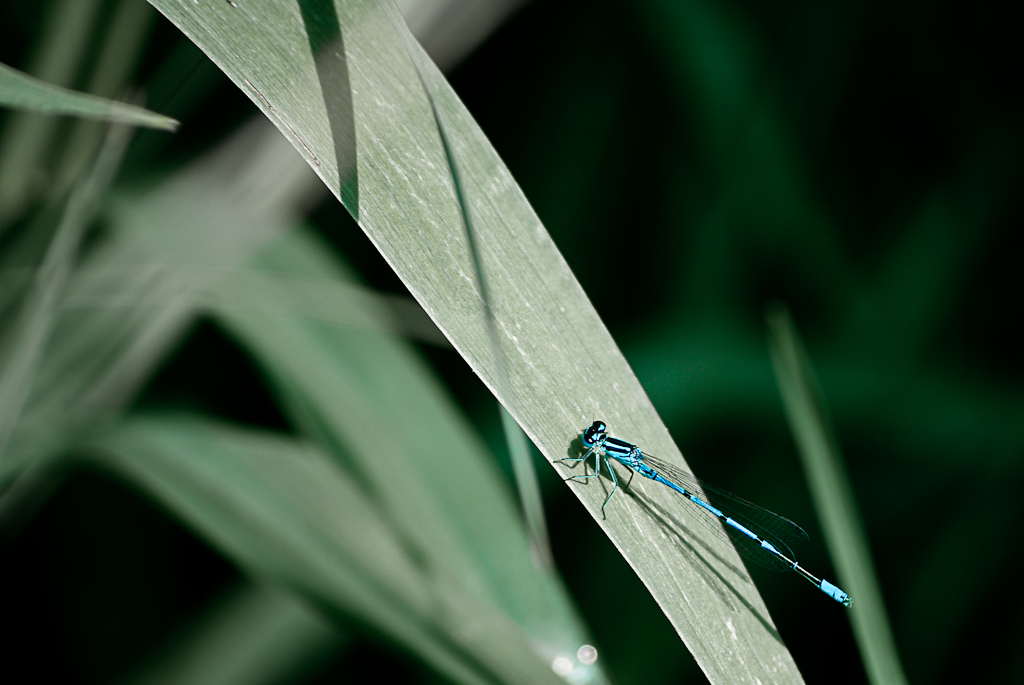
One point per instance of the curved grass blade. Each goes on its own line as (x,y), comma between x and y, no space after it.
(519,453)
(562,365)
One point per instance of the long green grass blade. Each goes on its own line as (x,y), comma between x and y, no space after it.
(21,91)
(347,95)
(176,250)
(529,490)
(833,499)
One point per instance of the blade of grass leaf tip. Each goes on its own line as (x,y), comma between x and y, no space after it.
(561,363)
(833,498)
(27,138)
(21,91)
(121,46)
(25,340)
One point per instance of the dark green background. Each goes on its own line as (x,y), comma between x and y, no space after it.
(694,160)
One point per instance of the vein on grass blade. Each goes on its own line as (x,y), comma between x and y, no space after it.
(518,448)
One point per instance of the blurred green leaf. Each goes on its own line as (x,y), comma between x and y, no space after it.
(369,398)
(833,499)
(24,341)
(284,511)
(161,254)
(253,635)
(163,265)
(21,91)
(121,47)
(27,137)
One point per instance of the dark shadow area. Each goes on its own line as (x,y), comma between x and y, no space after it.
(328,48)
(99,577)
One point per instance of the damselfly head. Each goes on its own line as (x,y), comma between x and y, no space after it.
(596,432)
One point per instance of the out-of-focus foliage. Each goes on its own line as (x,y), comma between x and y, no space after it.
(697,159)
(693,160)
(373,502)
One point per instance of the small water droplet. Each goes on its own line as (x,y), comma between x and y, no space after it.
(562,666)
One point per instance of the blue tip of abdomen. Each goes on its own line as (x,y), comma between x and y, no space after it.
(835,593)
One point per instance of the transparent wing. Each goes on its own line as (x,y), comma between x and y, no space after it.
(778,530)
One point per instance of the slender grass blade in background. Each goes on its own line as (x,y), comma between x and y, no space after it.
(99,359)
(562,365)
(26,138)
(252,635)
(123,40)
(529,490)
(21,91)
(26,338)
(833,498)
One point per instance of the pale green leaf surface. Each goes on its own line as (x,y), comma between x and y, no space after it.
(833,499)
(369,396)
(252,635)
(21,91)
(284,511)
(564,369)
